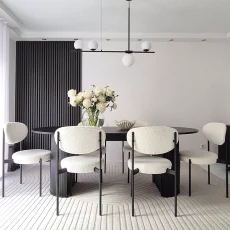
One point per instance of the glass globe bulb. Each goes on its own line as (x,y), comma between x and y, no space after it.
(93,45)
(146,46)
(78,45)
(128,60)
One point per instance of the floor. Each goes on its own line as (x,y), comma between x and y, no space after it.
(22,208)
(218,170)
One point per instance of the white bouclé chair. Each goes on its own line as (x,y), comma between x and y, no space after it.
(215,133)
(152,141)
(127,149)
(103,148)
(15,132)
(86,143)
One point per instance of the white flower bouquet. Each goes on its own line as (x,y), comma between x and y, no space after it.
(93,101)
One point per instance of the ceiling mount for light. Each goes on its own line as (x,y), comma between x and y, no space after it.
(128,59)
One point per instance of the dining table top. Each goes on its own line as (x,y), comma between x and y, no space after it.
(113,130)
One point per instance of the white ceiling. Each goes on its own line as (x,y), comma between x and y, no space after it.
(147,16)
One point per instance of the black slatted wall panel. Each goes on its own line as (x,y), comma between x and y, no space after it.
(45,71)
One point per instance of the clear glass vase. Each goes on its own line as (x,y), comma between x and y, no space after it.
(92,118)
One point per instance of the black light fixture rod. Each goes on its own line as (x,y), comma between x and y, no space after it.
(129,26)
(141,52)
(111,51)
(115,51)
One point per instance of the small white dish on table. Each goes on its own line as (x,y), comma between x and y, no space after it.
(125,124)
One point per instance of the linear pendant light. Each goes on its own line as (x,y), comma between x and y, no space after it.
(128,59)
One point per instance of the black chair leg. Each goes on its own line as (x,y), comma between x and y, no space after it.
(40,187)
(57,191)
(208,174)
(128,168)
(57,194)
(100,191)
(131,185)
(71,182)
(101,177)
(105,164)
(190,177)
(132,193)
(226,161)
(123,160)
(226,180)
(3,178)
(20,174)
(75,177)
(175,193)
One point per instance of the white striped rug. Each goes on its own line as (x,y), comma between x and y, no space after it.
(22,208)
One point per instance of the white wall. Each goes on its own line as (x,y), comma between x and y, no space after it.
(12,66)
(183,84)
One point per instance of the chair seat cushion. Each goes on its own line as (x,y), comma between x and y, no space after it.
(127,149)
(31,156)
(96,153)
(200,157)
(81,164)
(150,164)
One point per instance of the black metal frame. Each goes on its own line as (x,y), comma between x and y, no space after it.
(128,167)
(11,161)
(208,165)
(226,160)
(105,159)
(226,163)
(189,175)
(96,170)
(113,51)
(169,171)
(123,157)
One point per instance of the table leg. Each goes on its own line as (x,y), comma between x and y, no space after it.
(165,182)
(12,166)
(66,180)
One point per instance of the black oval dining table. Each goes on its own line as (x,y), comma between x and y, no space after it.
(164,182)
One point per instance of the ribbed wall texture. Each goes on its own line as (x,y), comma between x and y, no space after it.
(45,71)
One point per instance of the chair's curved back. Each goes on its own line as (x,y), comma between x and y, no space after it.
(215,132)
(141,124)
(15,132)
(79,139)
(152,140)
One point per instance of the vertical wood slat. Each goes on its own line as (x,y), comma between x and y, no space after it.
(45,71)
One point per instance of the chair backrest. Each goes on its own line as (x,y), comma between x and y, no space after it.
(15,132)
(152,140)
(140,124)
(215,132)
(79,139)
